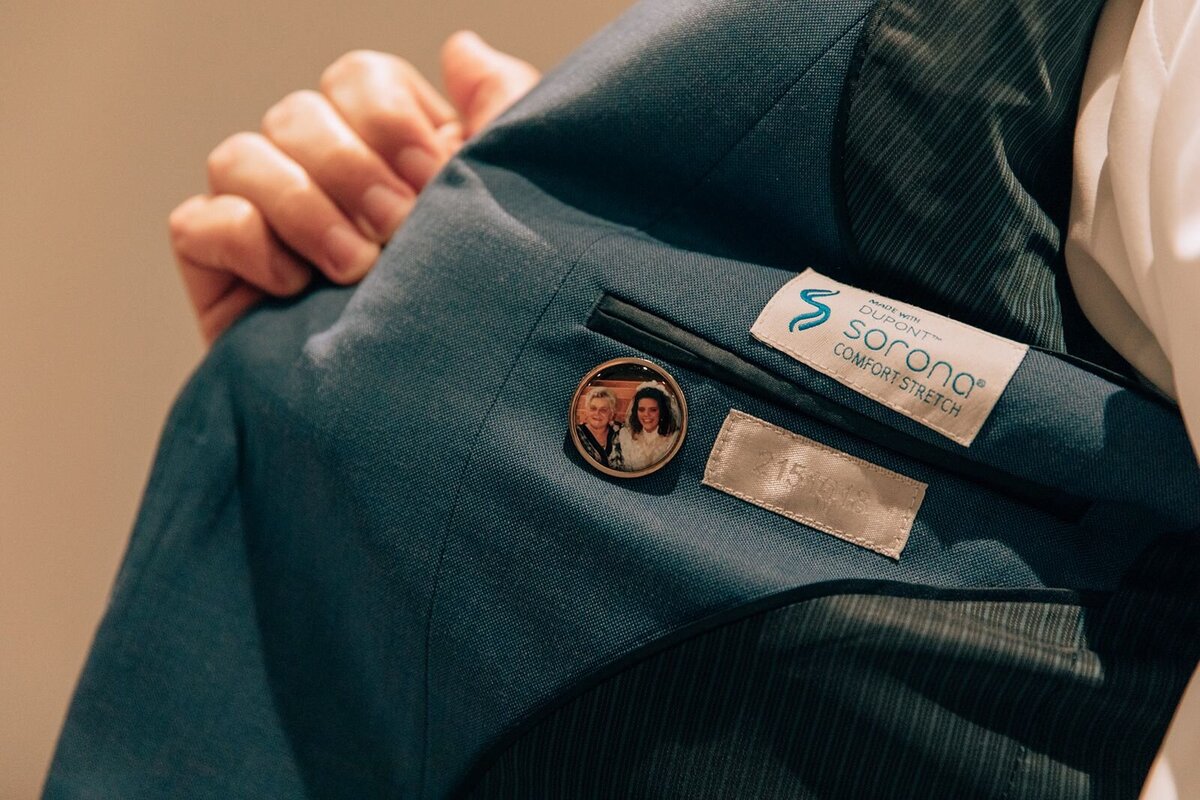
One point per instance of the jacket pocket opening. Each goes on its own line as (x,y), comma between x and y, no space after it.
(643,330)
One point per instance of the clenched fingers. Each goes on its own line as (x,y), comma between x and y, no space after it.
(306,128)
(292,205)
(394,110)
(229,259)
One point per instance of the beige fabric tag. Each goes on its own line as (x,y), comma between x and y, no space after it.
(935,370)
(804,480)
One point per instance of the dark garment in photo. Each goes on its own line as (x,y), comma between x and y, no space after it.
(603,453)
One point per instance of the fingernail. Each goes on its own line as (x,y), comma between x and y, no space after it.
(350,254)
(384,209)
(292,276)
(417,165)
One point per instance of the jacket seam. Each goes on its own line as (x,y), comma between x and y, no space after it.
(461,483)
(687,193)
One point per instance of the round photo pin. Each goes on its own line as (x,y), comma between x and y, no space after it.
(628,417)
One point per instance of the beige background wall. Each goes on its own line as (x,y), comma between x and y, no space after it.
(107,111)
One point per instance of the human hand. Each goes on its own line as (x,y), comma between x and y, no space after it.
(332,174)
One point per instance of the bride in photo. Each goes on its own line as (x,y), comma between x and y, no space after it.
(651,430)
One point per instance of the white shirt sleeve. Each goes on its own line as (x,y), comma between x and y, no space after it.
(1174,213)
(1133,245)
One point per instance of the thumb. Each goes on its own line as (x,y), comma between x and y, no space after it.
(482,81)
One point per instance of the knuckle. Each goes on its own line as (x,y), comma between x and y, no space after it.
(393,117)
(244,222)
(348,65)
(283,114)
(225,156)
(181,222)
(178,221)
(361,57)
(234,239)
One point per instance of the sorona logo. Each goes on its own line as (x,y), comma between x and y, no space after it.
(819,314)
(917,359)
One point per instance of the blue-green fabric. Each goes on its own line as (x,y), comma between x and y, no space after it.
(367,550)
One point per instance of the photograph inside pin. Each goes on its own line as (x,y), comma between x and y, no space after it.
(628,417)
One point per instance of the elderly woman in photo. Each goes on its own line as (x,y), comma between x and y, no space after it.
(598,432)
(652,428)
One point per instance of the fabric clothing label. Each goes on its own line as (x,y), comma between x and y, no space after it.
(944,374)
(809,482)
